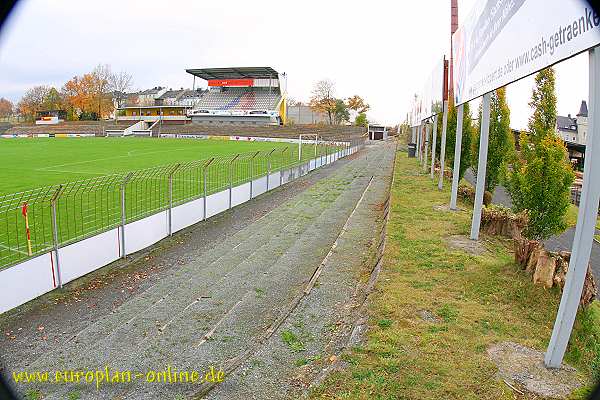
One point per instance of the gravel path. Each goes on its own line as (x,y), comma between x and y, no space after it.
(219,292)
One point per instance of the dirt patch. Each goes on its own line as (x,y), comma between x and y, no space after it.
(446,208)
(428,316)
(523,369)
(460,242)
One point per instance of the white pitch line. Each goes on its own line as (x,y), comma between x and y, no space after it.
(108,158)
(11,249)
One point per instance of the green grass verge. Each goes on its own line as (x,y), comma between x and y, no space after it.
(478,301)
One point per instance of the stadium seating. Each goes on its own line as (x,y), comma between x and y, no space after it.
(239,99)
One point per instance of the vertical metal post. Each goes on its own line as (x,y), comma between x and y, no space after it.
(123,211)
(443,145)
(231,177)
(457,153)
(205,167)
(413,136)
(435,124)
(300,148)
(586,221)
(53,201)
(170,211)
(481,166)
(426,146)
(268,169)
(281,168)
(418,142)
(251,173)
(316,141)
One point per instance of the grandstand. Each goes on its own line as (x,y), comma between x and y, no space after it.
(69,128)
(244,95)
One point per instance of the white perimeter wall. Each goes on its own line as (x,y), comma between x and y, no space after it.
(32,278)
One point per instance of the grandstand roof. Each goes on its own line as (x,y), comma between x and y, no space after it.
(233,73)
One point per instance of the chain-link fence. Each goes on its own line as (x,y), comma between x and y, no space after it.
(35,221)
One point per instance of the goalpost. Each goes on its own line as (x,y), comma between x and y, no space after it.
(316,136)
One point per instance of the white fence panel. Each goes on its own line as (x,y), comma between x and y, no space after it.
(187,214)
(285,176)
(83,257)
(217,202)
(240,194)
(145,232)
(259,186)
(26,281)
(274,180)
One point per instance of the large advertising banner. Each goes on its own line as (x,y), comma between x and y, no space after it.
(505,40)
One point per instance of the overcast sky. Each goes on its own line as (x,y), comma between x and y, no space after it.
(381,50)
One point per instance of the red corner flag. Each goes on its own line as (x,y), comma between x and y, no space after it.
(24,212)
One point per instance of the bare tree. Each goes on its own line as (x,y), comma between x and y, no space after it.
(119,83)
(323,99)
(103,98)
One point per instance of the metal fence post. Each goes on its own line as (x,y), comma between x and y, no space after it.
(170,210)
(269,167)
(281,169)
(231,177)
(53,201)
(204,172)
(251,173)
(123,215)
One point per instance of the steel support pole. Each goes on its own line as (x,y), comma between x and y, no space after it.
(268,170)
(457,153)
(413,134)
(55,234)
(300,148)
(205,167)
(170,205)
(586,224)
(426,146)
(419,142)
(170,211)
(481,166)
(434,145)
(230,183)
(123,218)
(443,145)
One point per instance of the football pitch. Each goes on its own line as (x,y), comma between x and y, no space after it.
(106,182)
(36,162)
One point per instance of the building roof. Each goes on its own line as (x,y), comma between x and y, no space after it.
(171,94)
(565,123)
(188,94)
(154,90)
(583,110)
(234,73)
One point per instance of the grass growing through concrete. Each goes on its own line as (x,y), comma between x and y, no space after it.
(476,301)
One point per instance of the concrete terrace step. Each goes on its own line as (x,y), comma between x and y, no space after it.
(241,284)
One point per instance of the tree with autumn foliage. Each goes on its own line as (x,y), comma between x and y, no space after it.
(358,104)
(6,107)
(323,99)
(33,101)
(90,94)
(541,178)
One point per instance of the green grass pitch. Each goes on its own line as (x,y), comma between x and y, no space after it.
(93,204)
(35,162)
